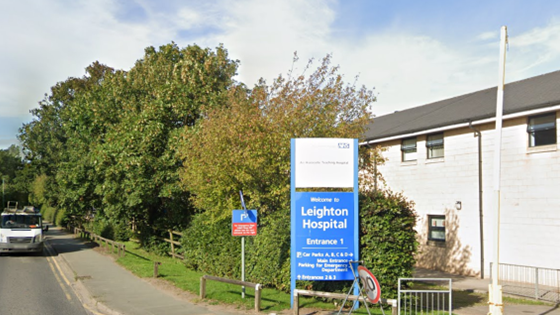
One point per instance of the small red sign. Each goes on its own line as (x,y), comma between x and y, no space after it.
(244,229)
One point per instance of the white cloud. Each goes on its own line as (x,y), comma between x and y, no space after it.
(406,70)
(189,18)
(488,35)
(51,41)
(536,51)
(46,42)
(265,34)
(409,70)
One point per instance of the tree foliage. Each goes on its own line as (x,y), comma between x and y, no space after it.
(171,142)
(245,145)
(12,174)
(106,142)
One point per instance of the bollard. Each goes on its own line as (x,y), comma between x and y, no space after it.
(156,264)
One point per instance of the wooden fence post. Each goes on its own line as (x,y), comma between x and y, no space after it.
(172,245)
(258,291)
(156,264)
(202,287)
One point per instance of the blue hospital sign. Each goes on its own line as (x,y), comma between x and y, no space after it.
(324,225)
(324,231)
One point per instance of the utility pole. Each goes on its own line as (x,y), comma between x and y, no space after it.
(496,306)
(3,201)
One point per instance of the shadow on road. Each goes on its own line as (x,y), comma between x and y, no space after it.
(63,242)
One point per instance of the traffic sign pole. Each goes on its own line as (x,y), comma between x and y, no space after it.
(242,250)
(243,266)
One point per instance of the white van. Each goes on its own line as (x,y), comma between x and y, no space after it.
(21,230)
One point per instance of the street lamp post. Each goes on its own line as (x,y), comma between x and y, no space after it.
(495,303)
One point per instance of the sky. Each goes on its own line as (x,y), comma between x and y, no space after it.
(410,53)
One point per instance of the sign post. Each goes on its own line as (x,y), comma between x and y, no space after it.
(324,225)
(243,223)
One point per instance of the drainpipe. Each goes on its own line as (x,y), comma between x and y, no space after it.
(374,167)
(375,170)
(480,213)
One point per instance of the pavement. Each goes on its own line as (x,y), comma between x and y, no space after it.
(106,288)
(473,284)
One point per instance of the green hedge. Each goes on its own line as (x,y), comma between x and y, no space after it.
(388,241)
(212,249)
(387,246)
(117,231)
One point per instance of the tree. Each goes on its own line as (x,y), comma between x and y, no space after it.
(245,145)
(11,165)
(161,96)
(107,141)
(56,142)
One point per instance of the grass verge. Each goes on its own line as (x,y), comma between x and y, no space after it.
(172,270)
(141,263)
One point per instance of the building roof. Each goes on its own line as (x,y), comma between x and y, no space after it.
(533,93)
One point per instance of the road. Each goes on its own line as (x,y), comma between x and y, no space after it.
(31,284)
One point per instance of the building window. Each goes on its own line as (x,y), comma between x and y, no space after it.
(434,146)
(436,228)
(542,130)
(408,148)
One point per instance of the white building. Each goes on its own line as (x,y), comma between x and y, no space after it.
(433,155)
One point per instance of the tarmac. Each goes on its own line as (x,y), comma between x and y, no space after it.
(106,288)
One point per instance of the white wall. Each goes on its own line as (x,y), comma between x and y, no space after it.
(530,188)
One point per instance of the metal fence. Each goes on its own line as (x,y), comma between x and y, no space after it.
(425,296)
(528,281)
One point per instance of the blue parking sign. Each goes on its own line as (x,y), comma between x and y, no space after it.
(244,223)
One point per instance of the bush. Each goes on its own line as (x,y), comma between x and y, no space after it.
(117,231)
(210,248)
(151,239)
(387,238)
(387,246)
(268,254)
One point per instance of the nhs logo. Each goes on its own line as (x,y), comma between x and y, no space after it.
(342,145)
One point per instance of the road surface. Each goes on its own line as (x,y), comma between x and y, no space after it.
(32,284)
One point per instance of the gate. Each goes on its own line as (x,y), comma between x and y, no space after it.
(424,296)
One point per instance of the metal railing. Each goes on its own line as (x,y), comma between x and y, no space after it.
(425,296)
(340,296)
(529,281)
